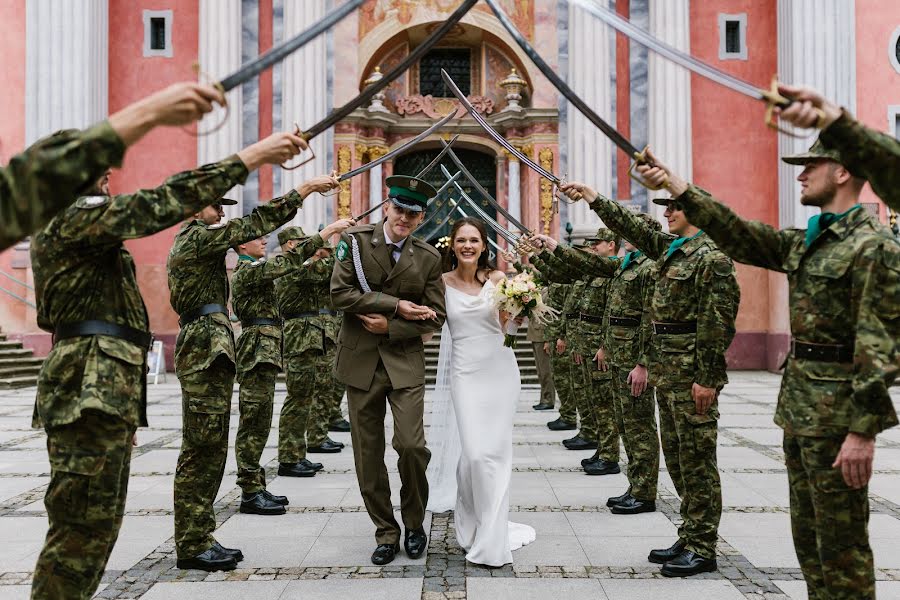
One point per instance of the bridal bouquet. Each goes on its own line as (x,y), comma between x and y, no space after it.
(521,297)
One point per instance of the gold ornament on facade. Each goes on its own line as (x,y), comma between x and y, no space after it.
(545,156)
(528,149)
(514,86)
(344,194)
(361,151)
(376,152)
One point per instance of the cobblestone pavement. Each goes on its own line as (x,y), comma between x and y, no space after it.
(321,548)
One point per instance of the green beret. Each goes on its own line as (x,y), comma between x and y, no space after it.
(290,233)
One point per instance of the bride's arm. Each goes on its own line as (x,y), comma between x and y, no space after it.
(495,277)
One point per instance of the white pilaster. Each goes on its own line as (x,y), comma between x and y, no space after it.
(66,76)
(376,193)
(669,93)
(589,152)
(305,101)
(514,193)
(817,47)
(219,55)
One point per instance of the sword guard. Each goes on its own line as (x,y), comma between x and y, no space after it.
(312,155)
(640,158)
(205,78)
(775,99)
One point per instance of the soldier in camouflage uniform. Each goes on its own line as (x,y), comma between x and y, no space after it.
(310,336)
(694,306)
(259,357)
(205,362)
(50,174)
(561,359)
(92,389)
(844,278)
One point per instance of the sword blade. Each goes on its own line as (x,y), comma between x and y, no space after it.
(608,130)
(278,53)
(415,55)
(502,231)
(684,59)
(459,209)
(437,158)
(493,133)
(400,149)
(431,202)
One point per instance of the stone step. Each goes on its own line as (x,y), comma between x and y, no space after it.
(15,353)
(17,382)
(19,370)
(23,359)
(9,345)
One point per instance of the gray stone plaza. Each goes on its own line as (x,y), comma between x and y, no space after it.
(321,547)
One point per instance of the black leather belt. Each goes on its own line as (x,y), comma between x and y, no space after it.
(624,322)
(312,313)
(571,315)
(591,318)
(207,309)
(81,328)
(249,321)
(675,328)
(837,353)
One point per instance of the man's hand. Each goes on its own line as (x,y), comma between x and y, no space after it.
(374,322)
(560,346)
(802,111)
(544,241)
(855,460)
(637,379)
(578,191)
(273,150)
(600,359)
(703,397)
(339,226)
(321,184)
(414,312)
(576,357)
(546,347)
(659,175)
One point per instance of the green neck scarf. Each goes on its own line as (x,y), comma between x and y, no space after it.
(679,242)
(819,223)
(245,257)
(630,256)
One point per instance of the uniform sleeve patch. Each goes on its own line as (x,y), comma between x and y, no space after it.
(342,250)
(91,201)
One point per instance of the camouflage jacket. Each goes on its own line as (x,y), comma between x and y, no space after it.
(556,298)
(695,284)
(50,175)
(253,296)
(197,276)
(308,291)
(867,153)
(557,272)
(844,289)
(82,272)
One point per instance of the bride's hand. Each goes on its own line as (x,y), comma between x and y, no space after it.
(413,312)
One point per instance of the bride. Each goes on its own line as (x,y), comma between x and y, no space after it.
(475,400)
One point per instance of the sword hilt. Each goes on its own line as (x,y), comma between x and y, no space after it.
(203,77)
(312,154)
(641,158)
(774,99)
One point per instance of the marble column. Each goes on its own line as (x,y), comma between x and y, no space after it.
(67,65)
(376,182)
(514,191)
(589,152)
(816,46)
(669,93)
(220,53)
(306,99)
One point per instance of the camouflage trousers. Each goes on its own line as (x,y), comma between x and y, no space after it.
(829,521)
(307,410)
(545,373)
(563,370)
(596,404)
(90,461)
(636,420)
(206,412)
(689,447)
(326,406)
(256,399)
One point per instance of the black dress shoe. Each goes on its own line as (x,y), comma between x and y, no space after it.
(385,553)
(688,563)
(602,467)
(311,465)
(211,560)
(341,426)
(610,502)
(258,504)
(282,500)
(663,555)
(579,443)
(326,447)
(560,425)
(540,406)
(633,506)
(415,542)
(594,458)
(295,470)
(237,554)
(335,442)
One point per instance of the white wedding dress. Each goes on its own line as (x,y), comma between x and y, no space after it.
(471,429)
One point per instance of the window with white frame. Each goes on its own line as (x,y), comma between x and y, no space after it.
(158,33)
(894,50)
(733,37)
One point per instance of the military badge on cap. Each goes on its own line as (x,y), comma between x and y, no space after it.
(409,192)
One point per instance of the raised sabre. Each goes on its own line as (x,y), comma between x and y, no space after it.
(501,231)
(459,209)
(770,96)
(367,94)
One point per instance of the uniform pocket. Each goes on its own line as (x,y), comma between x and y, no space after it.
(205,421)
(73,481)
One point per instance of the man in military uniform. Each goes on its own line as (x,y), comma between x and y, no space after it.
(866,153)
(258,357)
(92,387)
(561,364)
(309,339)
(389,286)
(205,361)
(50,174)
(844,278)
(694,306)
